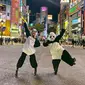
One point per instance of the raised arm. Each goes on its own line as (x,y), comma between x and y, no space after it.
(26,30)
(60,36)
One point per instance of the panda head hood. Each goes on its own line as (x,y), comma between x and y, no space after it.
(51,36)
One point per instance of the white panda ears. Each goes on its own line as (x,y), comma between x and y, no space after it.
(52,33)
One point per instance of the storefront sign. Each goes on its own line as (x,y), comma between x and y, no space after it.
(76,8)
(73,9)
(66,24)
(50,17)
(64,1)
(14,31)
(76,21)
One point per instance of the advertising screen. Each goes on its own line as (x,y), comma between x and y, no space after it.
(50,17)
(76,21)
(64,1)
(73,9)
(15,11)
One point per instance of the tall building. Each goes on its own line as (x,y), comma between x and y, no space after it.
(43,13)
(64,6)
(64,17)
(5,15)
(18,10)
(84,17)
(10,15)
(76,17)
(15,6)
(37,18)
(43,19)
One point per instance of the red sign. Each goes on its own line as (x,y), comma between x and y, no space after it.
(84,21)
(15,11)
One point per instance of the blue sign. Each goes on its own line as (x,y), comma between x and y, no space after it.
(75,21)
(21,4)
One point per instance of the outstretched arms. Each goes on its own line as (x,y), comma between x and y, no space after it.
(60,36)
(26,30)
(47,42)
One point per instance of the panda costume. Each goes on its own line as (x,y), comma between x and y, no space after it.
(28,49)
(57,51)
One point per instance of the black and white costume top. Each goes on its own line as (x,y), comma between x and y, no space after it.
(56,49)
(31,43)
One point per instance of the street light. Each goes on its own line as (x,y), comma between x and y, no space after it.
(1,27)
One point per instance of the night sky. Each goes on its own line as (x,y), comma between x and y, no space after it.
(53,7)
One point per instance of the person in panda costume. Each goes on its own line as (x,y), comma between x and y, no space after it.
(28,49)
(57,51)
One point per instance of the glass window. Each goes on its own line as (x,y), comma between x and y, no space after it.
(8,2)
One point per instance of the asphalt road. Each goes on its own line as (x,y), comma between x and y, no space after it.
(67,75)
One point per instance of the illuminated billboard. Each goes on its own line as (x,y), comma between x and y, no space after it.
(43,19)
(64,1)
(76,21)
(43,14)
(15,4)
(50,17)
(66,24)
(74,9)
(15,11)
(43,8)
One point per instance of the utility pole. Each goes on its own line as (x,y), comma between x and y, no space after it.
(1,27)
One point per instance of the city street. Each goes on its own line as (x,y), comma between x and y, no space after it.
(67,75)
(27,21)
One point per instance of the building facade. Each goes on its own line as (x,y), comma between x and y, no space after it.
(84,17)
(37,18)
(43,19)
(5,15)
(76,17)
(11,12)
(64,17)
